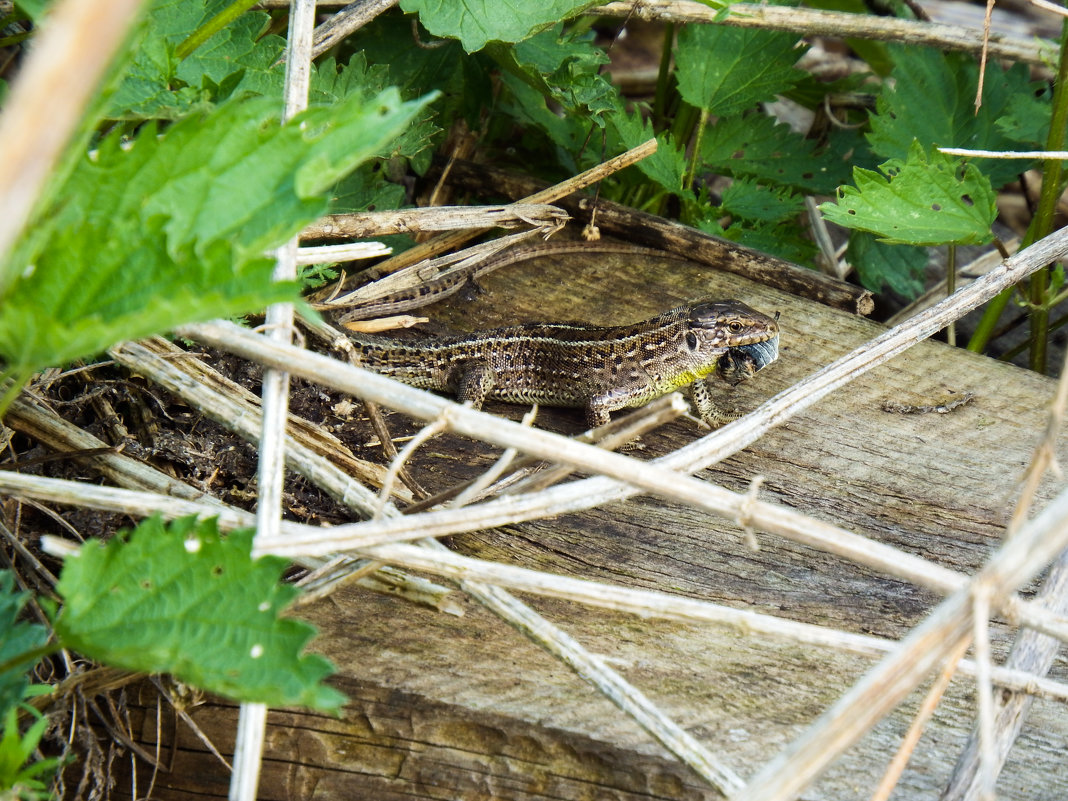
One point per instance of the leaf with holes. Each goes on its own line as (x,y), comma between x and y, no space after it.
(924,200)
(186,600)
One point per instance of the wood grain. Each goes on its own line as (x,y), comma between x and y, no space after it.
(938,485)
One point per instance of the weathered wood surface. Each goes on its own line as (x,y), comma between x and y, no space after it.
(501,713)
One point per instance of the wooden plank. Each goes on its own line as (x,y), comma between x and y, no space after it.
(938,485)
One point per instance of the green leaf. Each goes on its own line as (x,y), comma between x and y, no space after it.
(752,201)
(19,643)
(729,70)
(174,229)
(1027,118)
(782,240)
(569,67)
(476,22)
(755,145)
(666,166)
(17,779)
(157,84)
(878,264)
(185,600)
(932,98)
(926,200)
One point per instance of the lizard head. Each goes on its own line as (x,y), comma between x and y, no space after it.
(728,324)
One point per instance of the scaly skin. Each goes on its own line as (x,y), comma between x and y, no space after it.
(598,369)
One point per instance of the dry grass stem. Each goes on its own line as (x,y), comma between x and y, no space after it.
(47,101)
(645,603)
(425,271)
(209,392)
(912,736)
(363,225)
(252,717)
(346,22)
(1048,6)
(883,687)
(1032,653)
(424,434)
(840,25)
(613,686)
(327,254)
(983,689)
(1057,155)
(448,242)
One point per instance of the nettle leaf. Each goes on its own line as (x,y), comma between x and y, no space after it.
(878,264)
(1027,118)
(159,85)
(569,67)
(926,200)
(175,228)
(17,639)
(779,239)
(465,82)
(932,98)
(752,201)
(666,166)
(185,600)
(729,70)
(476,22)
(755,145)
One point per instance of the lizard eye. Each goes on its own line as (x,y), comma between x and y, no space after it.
(734,326)
(691,340)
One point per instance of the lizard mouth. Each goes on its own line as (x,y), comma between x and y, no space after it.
(743,361)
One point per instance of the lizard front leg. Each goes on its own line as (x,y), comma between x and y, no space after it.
(707,408)
(475,383)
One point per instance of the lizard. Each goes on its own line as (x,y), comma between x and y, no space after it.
(600,369)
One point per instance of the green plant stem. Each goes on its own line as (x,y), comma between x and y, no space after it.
(695,154)
(1041,226)
(212,27)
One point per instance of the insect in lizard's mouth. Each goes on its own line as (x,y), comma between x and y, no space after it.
(743,361)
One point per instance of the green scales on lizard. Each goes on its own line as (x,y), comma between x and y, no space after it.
(597,369)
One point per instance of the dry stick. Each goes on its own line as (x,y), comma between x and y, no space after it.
(883,687)
(447,242)
(229,404)
(594,670)
(645,603)
(347,21)
(839,25)
(252,717)
(361,225)
(912,736)
(1031,651)
(47,100)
